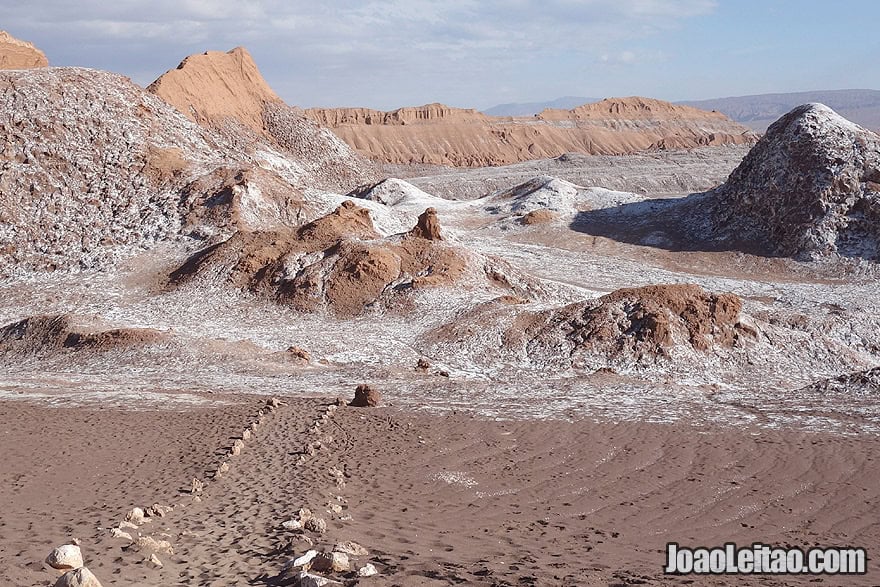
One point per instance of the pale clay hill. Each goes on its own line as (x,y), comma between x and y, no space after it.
(17,54)
(440,135)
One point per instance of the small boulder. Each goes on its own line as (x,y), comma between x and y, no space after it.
(351,548)
(159,511)
(117,533)
(423,364)
(153,561)
(330,562)
(300,355)
(81,577)
(65,558)
(292,525)
(368,570)
(151,544)
(246,434)
(135,516)
(309,580)
(196,486)
(317,525)
(427,226)
(365,397)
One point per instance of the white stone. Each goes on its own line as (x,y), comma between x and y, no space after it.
(65,558)
(368,570)
(151,544)
(351,548)
(81,577)
(135,516)
(154,561)
(292,525)
(303,560)
(117,533)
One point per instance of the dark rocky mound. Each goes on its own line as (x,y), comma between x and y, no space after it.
(810,188)
(38,335)
(337,263)
(633,323)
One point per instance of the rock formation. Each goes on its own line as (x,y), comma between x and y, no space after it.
(630,327)
(441,135)
(365,396)
(336,263)
(213,86)
(92,169)
(809,188)
(226,91)
(42,334)
(16,54)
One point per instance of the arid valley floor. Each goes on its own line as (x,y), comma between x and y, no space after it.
(580,357)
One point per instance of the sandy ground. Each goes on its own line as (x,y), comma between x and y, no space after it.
(437,500)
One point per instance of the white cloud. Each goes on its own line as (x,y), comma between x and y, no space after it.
(382,48)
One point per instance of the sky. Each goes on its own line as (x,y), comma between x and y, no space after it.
(475,53)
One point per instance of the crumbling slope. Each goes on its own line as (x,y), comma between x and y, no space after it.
(92,168)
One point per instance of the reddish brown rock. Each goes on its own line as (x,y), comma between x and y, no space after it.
(428,226)
(365,397)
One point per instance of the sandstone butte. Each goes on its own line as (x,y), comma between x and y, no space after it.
(441,135)
(215,85)
(17,54)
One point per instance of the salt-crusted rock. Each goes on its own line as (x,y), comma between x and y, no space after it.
(368,570)
(158,511)
(317,525)
(273,402)
(81,577)
(309,580)
(153,561)
(153,545)
(236,448)
(246,434)
(808,189)
(335,562)
(196,486)
(303,560)
(351,548)
(127,526)
(117,533)
(65,557)
(135,516)
(292,525)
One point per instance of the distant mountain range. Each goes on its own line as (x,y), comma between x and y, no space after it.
(757,111)
(530,108)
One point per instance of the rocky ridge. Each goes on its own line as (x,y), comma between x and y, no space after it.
(439,135)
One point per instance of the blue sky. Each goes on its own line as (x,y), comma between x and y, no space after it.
(475,53)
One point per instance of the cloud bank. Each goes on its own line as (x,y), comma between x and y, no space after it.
(381,53)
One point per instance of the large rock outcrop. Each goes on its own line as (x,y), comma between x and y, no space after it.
(227,92)
(438,134)
(93,168)
(809,188)
(17,54)
(339,264)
